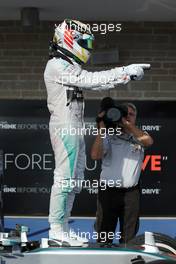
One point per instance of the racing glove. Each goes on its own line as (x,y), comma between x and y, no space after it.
(136,71)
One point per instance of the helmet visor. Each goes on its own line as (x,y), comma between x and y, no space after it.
(86,42)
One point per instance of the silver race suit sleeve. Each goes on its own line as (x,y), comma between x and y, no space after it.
(65,73)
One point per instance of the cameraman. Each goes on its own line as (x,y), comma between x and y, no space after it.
(122,158)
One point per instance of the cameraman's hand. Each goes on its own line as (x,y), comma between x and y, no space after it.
(101,114)
(99,120)
(145,139)
(127,125)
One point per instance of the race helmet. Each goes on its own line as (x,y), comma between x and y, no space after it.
(74,39)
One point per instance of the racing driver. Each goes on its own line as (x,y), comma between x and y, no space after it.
(65,81)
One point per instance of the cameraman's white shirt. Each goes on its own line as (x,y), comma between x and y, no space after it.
(122,160)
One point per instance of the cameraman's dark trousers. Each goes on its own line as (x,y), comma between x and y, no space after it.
(115,204)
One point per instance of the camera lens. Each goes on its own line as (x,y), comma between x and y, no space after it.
(113,114)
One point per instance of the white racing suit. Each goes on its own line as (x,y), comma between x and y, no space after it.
(63,78)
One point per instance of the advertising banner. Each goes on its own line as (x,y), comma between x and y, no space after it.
(28,160)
